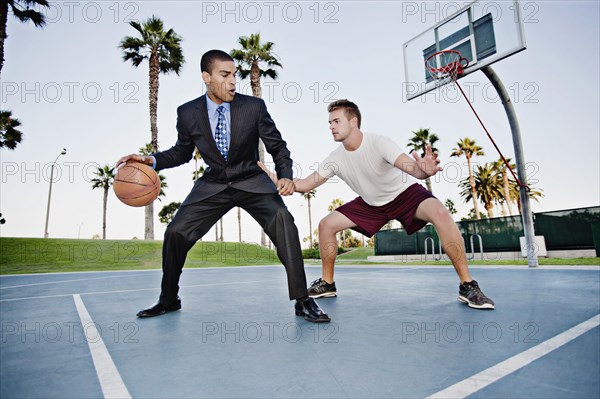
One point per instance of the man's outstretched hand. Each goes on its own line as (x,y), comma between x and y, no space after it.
(430,163)
(284,186)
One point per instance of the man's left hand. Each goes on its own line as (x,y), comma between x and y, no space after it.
(286,187)
(430,163)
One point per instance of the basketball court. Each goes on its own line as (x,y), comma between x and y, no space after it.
(396,332)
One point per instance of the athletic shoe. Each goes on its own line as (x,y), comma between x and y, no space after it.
(322,289)
(471,294)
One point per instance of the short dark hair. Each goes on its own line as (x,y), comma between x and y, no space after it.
(350,109)
(209,58)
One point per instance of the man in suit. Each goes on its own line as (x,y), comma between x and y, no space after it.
(225,127)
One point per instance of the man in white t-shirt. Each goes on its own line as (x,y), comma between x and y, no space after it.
(385,178)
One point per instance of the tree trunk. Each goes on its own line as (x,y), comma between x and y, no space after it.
(506,191)
(257,92)
(310,224)
(490,210)
(3,35)
(104,203)
(428,184)
(149,222)
(255,80)
(216,232)
(239,224)
(221,223)
(473,190)
(153,100)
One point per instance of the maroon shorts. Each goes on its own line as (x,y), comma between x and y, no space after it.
(369,219)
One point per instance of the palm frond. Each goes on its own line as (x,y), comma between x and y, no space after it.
(154,38)
(253,53)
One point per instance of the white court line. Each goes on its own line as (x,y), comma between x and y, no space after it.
(110,380)
(100,278)
(481,380)
(135,290)
(60,282)
(187,269)
(70,295)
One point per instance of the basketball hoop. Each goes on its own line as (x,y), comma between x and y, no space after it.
(445,66)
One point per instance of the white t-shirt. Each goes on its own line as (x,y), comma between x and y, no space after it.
(369,170)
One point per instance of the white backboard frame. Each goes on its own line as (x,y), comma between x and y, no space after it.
(508,26)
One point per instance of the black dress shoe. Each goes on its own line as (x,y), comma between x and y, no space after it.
(159,308)
(309,309)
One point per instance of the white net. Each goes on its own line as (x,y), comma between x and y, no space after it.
(445,66)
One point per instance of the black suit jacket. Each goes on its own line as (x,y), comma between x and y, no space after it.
(250,121)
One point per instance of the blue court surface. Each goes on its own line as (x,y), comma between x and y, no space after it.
(396,332)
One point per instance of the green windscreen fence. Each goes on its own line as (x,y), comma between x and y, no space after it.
(498,234)
(569,229)
(562,230)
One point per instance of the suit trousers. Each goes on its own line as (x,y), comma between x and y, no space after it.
(193,221)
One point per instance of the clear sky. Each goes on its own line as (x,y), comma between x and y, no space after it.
(69,87)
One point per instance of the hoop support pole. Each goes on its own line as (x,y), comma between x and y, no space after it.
(526,214)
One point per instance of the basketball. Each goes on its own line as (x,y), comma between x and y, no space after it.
(136,184)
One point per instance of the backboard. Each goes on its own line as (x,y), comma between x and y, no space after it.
(483,32)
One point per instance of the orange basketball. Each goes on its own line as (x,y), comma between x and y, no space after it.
(136,184)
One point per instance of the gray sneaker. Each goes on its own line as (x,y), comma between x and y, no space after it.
(322,289)
(471,294)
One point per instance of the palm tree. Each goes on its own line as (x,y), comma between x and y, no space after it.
(336,203)
(534,193)
(23,11)
(164,54)
(500,166)
(239,218)
(221,224)
(307,196)
(10,137)
(256,60)
(250,59)
(488,184)
(198,170)
(104,180)
(469,149)
(420,140)
(314,237)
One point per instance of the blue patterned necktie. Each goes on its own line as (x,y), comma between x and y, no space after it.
(221,132)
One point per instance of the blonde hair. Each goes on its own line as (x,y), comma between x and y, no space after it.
(350,109)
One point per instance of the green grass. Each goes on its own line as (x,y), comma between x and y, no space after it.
(542,262)
(39,255)
(357,254)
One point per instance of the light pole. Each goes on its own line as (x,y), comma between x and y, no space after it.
(63,152)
